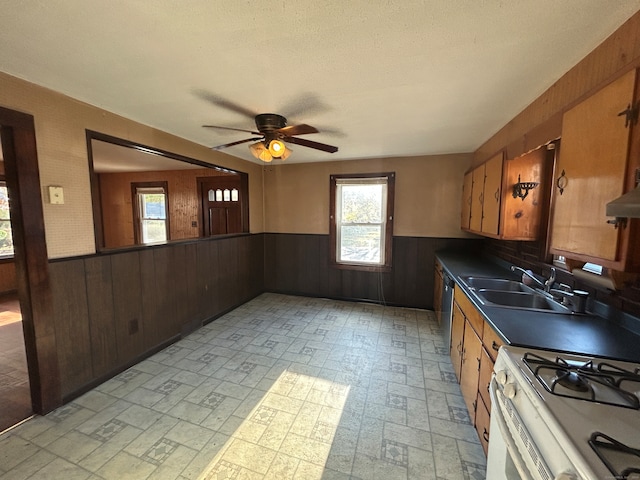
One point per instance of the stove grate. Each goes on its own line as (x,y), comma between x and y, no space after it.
(604,374)
(601,443)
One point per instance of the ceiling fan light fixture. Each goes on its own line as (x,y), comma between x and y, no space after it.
(285,154)
(277,148)
(261,152)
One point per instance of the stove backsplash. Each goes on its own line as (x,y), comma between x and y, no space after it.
(530,255)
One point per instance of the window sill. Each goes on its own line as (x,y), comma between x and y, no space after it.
(361,267)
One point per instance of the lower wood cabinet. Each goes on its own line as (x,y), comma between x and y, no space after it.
(483,419)
(474,346)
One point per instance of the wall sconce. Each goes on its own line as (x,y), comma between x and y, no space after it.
(521,189)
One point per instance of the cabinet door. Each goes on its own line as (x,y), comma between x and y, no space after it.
(591,171)
(470,368)
(486,369)
(477,197)
(457,336)
(467,192)
(492,342)
(492,194)
(483,421)
(521,218)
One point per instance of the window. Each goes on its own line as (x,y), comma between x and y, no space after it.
(6,238)
(361,226)
(150,211)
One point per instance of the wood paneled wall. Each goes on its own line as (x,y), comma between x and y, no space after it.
(8,277)
(541,121)
(299,264)
(112,310)
(117,210)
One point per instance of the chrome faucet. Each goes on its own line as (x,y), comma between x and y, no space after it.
(574,299)
(546,285)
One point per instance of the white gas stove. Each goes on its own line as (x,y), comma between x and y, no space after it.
(561,416)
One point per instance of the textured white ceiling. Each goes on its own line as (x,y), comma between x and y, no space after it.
(377,78)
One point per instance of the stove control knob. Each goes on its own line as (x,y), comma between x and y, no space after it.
(566,476)
(509,390)
(501,377)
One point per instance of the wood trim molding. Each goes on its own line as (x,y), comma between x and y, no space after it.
(32,274)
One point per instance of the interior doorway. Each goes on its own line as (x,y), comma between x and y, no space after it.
(224,204)
(15,391)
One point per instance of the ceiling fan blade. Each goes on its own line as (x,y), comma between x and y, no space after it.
(301,129)
(224,103)
(234,129)
(308,143)
(220,147)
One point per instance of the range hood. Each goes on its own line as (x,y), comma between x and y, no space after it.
(628,205)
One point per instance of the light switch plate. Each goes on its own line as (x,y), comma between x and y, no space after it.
(56,195)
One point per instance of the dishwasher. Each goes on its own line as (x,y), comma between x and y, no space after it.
(447,308)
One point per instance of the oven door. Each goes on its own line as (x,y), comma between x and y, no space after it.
(513,454)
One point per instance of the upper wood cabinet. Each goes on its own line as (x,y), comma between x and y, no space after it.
(493,209)
(596,164)
(466,200)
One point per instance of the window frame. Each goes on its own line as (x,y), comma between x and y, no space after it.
(11,257)
(334,232)
(137,230)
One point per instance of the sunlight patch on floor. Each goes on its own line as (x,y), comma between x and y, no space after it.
(287,435)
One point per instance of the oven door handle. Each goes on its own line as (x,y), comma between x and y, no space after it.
(504,430)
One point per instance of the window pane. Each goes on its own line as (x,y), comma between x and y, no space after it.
(361,244)
(154,231)
(362,203)
(6,239)
(153,205)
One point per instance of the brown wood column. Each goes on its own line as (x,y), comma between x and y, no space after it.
(23,182)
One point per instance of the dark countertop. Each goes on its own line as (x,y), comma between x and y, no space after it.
(584,334)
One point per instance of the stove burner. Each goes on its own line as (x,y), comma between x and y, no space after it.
(603,383)
(571,380)
(604,446)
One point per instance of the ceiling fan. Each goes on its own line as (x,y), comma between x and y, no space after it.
(272,134)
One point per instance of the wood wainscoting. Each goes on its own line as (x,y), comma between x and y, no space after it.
(113,309)
(299,264)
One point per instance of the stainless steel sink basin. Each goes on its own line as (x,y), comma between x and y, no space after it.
(501,292)
(501,284)
(522,300)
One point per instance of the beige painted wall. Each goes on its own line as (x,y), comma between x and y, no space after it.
(60,124)
(427,201)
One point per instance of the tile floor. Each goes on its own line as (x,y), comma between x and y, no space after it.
(281,388)
(15,394)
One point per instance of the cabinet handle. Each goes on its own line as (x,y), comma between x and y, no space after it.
(485,435)
(561,182)
(475,405)
(478,363)
(481,198)
(488,386)
(495,346)
(497,194)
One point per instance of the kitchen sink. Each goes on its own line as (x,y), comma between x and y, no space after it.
(501,284)
(523,300)
(501,292)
